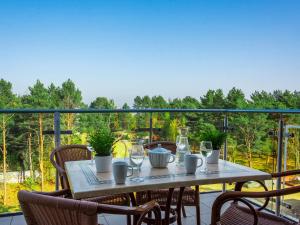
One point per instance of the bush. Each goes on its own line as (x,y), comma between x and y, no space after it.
(102,141)
(215,136)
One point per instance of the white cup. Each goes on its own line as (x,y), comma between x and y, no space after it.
(191,163)
(120,170)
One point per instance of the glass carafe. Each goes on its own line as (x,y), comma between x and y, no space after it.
(182,144)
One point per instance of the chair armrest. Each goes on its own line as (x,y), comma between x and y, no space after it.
(139,212)
(60,170)
(239,187)
(238,196)
(60,193)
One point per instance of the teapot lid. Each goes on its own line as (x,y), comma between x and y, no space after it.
(160,149)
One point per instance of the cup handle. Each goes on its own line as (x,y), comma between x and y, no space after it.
(173,158)
(200,163)
(131,171)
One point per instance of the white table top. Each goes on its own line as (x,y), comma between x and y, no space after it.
(85,182)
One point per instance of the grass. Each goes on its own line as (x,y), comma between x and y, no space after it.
(12,190)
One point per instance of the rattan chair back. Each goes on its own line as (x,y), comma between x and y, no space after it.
(67,153)
(165,144)
(41,209)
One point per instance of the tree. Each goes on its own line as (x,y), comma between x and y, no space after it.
(7,100)
(158,102)
(71,98)
(250,129)
(103,103)
(213,99)
(127,120)
(235,99)
(142,119)
(191,120)
(263,100)
(146,102)
(285,99)
(54,96)
(159,119)
(137,102)
(176,103)
(39,98)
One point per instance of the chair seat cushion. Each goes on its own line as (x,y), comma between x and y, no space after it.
(118,199)
(241,215)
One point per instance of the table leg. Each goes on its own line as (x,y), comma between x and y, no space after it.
(132,199)
(179,205)
(149,199)
(197,201)
(133,203)
(168,206)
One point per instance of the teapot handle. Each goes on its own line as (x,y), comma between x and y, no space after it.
(172,158)
(200,163)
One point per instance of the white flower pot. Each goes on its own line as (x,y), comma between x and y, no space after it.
(103,163)
(214,157)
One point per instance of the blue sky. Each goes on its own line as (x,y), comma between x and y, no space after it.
(120,49)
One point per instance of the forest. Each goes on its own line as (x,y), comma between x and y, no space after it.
(26,145)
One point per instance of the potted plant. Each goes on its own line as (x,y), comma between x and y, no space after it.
(217,139)
(102,141)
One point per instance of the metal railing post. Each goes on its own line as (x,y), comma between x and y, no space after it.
(279,162)
(57,141)
(151,128)
(225,130)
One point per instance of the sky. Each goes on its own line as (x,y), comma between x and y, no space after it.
(121,49)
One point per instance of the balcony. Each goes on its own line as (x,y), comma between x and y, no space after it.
(55,131)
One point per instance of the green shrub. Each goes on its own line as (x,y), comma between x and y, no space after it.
(102,141)
(216,137)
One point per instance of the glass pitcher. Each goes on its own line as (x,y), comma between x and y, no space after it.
(182,144)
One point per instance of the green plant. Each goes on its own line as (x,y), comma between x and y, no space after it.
(29,183)
(102,141)
(215,136)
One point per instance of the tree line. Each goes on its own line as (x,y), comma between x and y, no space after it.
(24,146)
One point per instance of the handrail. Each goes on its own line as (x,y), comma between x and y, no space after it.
(152,110)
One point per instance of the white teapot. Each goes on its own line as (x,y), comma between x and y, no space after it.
(160,157)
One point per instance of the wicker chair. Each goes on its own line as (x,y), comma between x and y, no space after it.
(247,213)
(67,153)
(53,209)
(190,196)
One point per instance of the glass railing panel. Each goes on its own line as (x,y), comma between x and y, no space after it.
(23,145)
(291,160)
(252,142)
(26,144)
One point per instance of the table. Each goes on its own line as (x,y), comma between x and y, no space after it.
(86,183)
